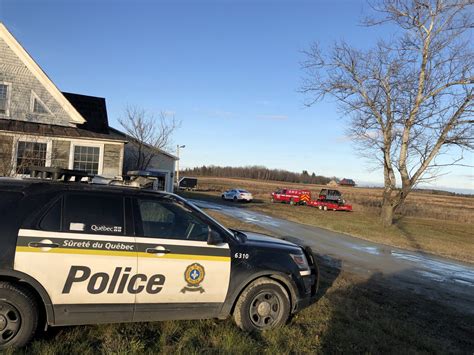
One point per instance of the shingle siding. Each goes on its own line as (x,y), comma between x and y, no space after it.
(6,151)
(60,154)
(112,160)
(13,71)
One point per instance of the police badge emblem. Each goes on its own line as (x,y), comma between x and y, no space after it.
(194,275)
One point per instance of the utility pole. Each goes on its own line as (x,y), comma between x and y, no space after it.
(177,163)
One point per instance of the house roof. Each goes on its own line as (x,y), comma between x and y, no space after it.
(93,109)
(347,182)
(129,139)
(36,70)
(40,129)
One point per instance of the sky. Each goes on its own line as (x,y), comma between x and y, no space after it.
(228,70)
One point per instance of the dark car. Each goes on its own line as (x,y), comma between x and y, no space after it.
(79,253)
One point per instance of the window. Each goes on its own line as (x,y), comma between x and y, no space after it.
(8,200)
(30,154)
(38,106)
(95,214)
(51,221)
(4,98)
(170,220)
(86,159)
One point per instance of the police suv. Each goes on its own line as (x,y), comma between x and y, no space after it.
(81,253)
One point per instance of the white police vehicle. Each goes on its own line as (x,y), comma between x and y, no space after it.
(80,253)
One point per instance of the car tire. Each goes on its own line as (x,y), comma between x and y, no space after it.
(18,315)
(325,208)
(263,305)
(222,197)
(272,200)
(235,199)
(292,202)
(320,207)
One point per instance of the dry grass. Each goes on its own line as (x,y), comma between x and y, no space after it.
(441,225)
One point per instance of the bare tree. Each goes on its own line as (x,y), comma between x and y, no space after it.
(410,99)
(149,135)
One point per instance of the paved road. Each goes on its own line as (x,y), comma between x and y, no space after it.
(444,280)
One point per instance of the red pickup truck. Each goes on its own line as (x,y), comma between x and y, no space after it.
(292,196)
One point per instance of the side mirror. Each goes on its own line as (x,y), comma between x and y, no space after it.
(214,238)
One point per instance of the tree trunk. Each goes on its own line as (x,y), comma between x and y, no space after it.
(387,213)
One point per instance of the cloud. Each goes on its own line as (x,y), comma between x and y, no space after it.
(273,117)
(264,102)
(216,113)
(169,113)
(343,139)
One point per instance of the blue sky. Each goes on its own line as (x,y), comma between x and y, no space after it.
(229,70)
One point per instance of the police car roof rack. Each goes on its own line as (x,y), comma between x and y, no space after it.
(59,174)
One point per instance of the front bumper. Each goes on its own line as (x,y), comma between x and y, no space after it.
(311,284)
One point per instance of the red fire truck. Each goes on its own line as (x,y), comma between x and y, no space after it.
(330,200)
(292,196)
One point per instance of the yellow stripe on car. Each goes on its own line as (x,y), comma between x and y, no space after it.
(122,253)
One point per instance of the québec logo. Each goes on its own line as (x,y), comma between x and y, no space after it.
(194,275)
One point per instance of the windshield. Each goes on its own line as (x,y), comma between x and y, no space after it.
(243,192)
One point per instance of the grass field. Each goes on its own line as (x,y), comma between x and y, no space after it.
(436,224)
(352,315)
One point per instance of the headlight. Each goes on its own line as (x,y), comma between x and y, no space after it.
(300,260)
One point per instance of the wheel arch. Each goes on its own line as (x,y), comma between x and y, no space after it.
(283,279)
(32,284)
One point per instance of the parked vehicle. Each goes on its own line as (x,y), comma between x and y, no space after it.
(237,195)
(331,200)
(292,196)
(79,253)
(188,183)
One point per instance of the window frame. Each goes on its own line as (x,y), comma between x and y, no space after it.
(34,97)
(75,144)
(31,139)
(9,95)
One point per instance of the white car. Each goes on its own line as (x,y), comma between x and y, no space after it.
(237,195)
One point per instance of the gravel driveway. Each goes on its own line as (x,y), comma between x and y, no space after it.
(450,282)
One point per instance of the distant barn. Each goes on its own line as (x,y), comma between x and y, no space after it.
(347,182)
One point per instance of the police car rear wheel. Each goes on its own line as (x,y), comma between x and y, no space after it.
(18,315)
(264,304)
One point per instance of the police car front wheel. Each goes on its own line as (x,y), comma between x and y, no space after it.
(264,304)
(18,315)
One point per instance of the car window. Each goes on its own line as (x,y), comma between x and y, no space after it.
(93,213)
(8,198)
(51,220)
(160,218)
(243,191)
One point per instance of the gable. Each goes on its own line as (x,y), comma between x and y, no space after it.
(27,80)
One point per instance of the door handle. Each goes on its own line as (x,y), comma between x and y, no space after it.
(43,245)
(157,251)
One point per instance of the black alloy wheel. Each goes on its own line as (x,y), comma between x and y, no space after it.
(265,309)
(10,322)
